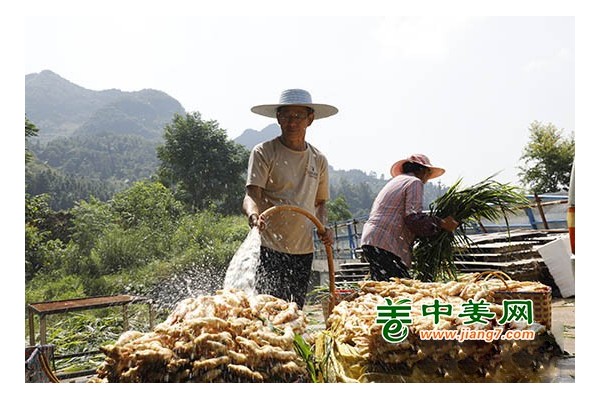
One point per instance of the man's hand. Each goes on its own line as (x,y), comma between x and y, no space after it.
(326,237)
(256,220)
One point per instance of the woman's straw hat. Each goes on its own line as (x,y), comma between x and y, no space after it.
(417,159)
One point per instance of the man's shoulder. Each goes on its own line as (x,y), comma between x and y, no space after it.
(266,145)
(316,151)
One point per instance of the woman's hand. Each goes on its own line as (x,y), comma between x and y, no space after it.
(449,224)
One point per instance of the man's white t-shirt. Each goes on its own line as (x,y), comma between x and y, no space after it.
(290,177)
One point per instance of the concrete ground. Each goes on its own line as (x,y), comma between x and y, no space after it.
(563,329)
(563,323)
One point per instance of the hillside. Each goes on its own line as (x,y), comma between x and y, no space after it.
(66,189)
(96,142)
(60,108)
(100,156)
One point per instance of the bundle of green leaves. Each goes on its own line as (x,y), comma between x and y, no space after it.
(433,257)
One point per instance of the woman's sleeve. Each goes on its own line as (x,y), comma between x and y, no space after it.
(422,225)
(418,222)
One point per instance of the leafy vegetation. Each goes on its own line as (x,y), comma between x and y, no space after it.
(433,257)
(103,156)
(131,243)
(338,209)
(66,189)
(79,335)
(30,131)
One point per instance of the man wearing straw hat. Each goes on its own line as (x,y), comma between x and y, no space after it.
(397,217)
(288,170)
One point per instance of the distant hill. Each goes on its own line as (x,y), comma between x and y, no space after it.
(251,137)
(61,108)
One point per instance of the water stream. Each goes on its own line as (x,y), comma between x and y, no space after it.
(242,267)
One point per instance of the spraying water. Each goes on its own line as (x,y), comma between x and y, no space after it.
(186,281)
(242,267)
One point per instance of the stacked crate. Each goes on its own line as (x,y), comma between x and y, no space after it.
(513,253)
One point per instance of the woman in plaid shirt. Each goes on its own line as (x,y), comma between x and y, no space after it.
(397,217)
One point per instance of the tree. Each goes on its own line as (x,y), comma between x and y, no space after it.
(203,166)
(65,189)
(91,219)
(30,131)
(105,156)
(146,203)
(46,231)
(358,196)
(548,158)
(338,209)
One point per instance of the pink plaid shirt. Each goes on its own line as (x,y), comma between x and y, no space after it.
(387,226)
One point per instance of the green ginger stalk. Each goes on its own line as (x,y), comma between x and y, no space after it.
(433,257)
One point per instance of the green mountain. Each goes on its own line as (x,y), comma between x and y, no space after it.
(91,142)
(66,189)
(104,156)
(60,108)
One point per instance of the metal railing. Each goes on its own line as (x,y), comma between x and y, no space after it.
(546,212)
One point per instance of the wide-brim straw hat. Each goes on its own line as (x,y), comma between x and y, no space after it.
(418,159)
(295,97)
